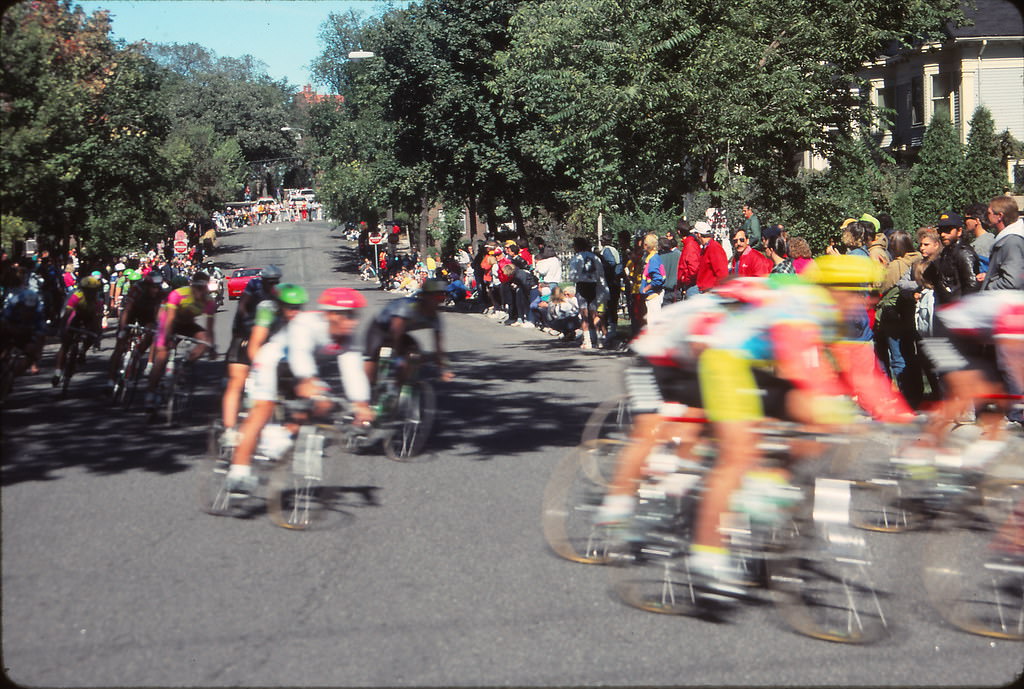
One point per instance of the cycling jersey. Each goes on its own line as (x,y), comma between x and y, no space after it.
(186,309)
(24,308)
(143,304)
(306,345)
(409,309)
(255,293)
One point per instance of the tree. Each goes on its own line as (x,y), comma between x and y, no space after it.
(984,170)
(938,174)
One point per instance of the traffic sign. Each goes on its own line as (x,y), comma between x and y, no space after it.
(180,246)
(376,239)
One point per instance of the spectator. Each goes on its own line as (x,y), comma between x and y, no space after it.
(719,229)
(895,332)
(751,226)
(562,314)
(713,266)
(524,284)
(668,252)
(777,251)
(878,244)
(975,219)
(652,277)
(689,259)
(924,295)
(956,268)
(611,260)
(747,262)
(549,266)
(1006,261)
(586,271)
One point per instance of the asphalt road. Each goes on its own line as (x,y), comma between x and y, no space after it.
(432,573)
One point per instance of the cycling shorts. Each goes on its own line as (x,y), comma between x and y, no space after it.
(650,386)
(185,329)
(735,390)
(378,336)
(238,351)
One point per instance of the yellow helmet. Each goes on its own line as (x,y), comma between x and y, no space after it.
(846,272)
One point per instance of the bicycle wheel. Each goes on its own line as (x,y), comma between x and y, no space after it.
(883,505)
(133,374)
(70,365)
(821,583)
(974,568)
(571,499)
(658,579)
(610,420)
(300,493)
(121,380)
(214,497)
(412,421)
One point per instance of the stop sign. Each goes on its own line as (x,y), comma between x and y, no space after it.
(180,246)
(376,239)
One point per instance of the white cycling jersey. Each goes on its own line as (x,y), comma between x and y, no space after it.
(305,344)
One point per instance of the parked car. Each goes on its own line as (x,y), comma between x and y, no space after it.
(239,279)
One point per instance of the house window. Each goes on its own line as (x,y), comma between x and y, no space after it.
(941,106)
(917,101)
(886,104)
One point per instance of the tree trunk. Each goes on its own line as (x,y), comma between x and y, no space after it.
(472,217)
(518,222)
(421,237)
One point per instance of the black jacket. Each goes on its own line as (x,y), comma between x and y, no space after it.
(955,273)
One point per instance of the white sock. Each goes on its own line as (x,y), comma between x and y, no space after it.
(239,470)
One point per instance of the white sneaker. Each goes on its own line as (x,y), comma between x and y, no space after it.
(586,344)
(526,324)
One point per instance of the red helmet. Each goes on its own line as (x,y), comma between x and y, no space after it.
(341,299)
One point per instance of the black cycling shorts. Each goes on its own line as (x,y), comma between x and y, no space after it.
(238,351)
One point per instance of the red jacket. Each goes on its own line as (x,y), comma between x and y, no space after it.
(751,264)
(713,266)
(689,262)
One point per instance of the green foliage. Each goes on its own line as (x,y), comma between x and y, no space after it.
(938,174)
(984,169)
(13,229)
(447,229)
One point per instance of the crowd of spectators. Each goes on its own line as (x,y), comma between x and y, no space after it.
(602,296)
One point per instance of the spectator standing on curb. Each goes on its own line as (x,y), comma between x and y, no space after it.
(747,261)
(668,252)
(548,266)
(585,270)
(752,226)
(652,278)
(981,240)
(713,266)
(1006,262)
(689,259)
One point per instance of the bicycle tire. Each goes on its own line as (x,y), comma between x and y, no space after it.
(133,374)
(572,496)
(658,580)
(70,366)
(883,506)
(169,396)
(301,488)
(121,378)
(414,414)
(973,586)
(612,419)
(822,586)
(214,498)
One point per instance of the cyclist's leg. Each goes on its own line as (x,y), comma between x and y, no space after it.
(158,355)
(238,370)
(376,337)
(264,383)
(734,409)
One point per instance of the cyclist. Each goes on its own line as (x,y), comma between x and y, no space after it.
(178,316)
(140,306)
(258,291)
(391,328)
(308,339)
(23,322)
(764,349)
(84,309)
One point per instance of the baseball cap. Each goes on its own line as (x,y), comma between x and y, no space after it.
(702,228)
(771,231)
(950,219)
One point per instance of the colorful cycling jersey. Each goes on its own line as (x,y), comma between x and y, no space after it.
(24,307)
(986,315)
(409,309)
(268,315)
(79,304)
(305,343)
(188,307)
(143,302)
(254,294)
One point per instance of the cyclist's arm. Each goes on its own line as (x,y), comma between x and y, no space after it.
(862,373)
(164,321)
(397,330)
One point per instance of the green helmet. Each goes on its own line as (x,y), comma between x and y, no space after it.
(293,295)
(132,275)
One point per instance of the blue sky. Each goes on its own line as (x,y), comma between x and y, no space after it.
(284,34)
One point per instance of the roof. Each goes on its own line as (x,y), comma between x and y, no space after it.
(992,18)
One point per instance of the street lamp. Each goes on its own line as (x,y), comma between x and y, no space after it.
(360,55)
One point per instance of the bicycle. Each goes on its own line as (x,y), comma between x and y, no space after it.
(299,485)
(74,356)
(814,566)
(405,405)
(132,365)
(174,393)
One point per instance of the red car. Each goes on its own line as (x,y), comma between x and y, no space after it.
(239,279)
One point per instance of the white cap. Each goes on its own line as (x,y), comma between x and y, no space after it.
(701,227)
